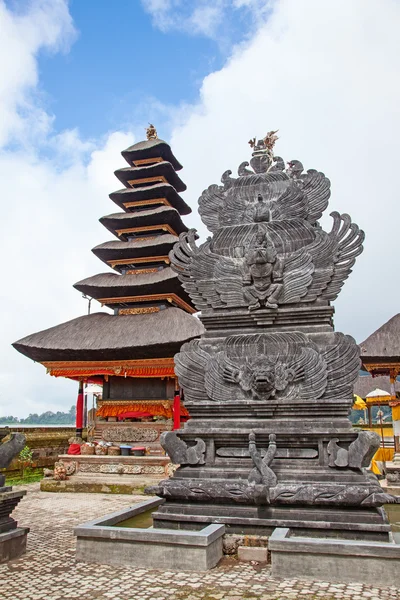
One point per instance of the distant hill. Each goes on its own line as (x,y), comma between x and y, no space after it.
(46,418)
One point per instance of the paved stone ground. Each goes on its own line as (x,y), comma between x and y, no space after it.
(49,570)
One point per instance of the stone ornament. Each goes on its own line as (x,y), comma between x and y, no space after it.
(262,473)
(179,452)
(9,450)
(359,453)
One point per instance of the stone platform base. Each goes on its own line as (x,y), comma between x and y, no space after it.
(109,474)
(99,484)
(13,543)
(336,561)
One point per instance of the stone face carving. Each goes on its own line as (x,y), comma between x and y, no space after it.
(179,452)
(270,366)
(129,434)
(262,473)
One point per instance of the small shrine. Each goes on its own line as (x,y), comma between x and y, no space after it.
(380,355)
(130,352)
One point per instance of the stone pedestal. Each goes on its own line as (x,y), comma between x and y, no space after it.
(13,543)
(12,538)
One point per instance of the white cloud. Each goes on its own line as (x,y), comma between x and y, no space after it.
(46,25)
(209,18)
(325,74)
(50,208)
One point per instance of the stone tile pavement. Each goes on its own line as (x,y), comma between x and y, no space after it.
(48,571)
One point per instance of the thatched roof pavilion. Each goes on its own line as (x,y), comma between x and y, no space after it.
(105,337)
(382,347)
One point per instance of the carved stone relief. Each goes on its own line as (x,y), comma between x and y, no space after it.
(129,434)
(262,473)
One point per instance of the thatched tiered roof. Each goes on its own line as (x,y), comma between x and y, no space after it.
(162,170)
(113,285)
(101,336)
(156,194)
(154,148)
(160,216)
(155,246)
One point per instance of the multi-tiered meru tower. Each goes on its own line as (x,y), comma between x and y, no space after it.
(270,384)
(131,351)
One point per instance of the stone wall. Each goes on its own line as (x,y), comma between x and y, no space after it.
(46,442)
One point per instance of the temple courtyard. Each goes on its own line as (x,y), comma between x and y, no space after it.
(49,570)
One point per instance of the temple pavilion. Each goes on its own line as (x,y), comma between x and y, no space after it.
(130,352)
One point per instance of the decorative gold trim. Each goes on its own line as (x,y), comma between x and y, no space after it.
(108,402)
(171,298)
(144,238)
(139,260)
(139,310)
(375,366)
(162,227)
(148,202)
(157,179)
(141,271)
(84,364)
(147,161)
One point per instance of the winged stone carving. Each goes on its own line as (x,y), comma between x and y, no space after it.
(268,248)
(268,366)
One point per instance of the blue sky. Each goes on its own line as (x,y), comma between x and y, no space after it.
(118,62)
(121,62)
(79,82)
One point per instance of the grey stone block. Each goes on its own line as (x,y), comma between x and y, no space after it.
(13,543)
(248,554)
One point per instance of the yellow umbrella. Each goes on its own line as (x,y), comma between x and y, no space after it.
(359,403)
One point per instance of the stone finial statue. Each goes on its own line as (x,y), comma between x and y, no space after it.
(151,132)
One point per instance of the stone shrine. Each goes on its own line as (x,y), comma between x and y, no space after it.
(269,385)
